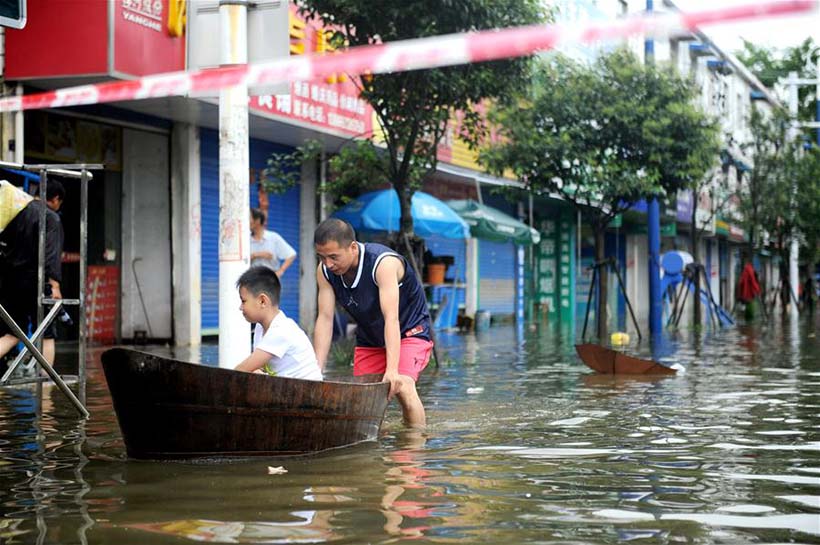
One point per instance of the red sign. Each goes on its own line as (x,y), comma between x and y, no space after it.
(102,302)
(143,43)
(66,38)
(332,104)
(59,39)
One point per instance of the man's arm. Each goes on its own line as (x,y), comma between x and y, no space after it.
(323,331)
(387,277)
(54,252)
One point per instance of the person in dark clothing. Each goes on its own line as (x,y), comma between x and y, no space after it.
(19,248)
(380,290)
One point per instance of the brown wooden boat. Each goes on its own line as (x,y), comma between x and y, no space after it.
(169,409)
(611,362)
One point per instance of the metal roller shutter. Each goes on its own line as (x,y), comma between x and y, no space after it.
(496,272)
(283,218)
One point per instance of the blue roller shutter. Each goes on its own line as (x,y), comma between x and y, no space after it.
(496,273)
(283,217)
(497,268)
(209,205)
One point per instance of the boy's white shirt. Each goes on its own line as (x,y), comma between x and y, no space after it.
(291,351)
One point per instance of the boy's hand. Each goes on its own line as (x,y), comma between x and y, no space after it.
(395,383)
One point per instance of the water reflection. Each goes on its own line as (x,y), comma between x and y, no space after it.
(524,446)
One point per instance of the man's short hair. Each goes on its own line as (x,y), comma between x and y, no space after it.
(260,279)
(55,189)
(334,229)
(258,215)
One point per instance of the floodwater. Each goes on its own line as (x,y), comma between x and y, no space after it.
(524,445)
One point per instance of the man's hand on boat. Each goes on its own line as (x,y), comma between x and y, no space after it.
(395,383)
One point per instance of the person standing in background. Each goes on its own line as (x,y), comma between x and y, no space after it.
(19,254)
(268,248)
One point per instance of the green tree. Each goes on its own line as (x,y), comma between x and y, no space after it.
(808,213)
(604,137)
(770,66)
(414,108)
(768,202)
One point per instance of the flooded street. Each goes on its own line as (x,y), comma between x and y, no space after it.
(525,445)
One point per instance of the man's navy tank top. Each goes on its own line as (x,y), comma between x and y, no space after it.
(361,298)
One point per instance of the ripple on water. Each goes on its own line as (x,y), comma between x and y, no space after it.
(810,501)
(806,523)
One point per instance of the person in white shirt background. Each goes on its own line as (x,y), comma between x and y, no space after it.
(268,248)
(280,346)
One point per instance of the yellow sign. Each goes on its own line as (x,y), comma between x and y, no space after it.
(177,17)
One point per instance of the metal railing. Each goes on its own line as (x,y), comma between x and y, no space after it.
(33,345)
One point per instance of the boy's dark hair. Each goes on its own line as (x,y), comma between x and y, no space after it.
(259,280)
(55,189)
(258,215)
(334,229)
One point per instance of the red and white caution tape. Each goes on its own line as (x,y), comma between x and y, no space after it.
(401,56)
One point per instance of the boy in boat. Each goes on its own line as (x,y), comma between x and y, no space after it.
(382,292)
(280,347)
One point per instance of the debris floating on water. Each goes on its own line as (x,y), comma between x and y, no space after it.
(276,470)
(476,390)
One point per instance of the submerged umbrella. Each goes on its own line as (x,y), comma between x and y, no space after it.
(380,211)
(492,224)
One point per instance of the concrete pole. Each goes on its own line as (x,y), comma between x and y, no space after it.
(307,252)
(234,189)
(19,136)
(794,250)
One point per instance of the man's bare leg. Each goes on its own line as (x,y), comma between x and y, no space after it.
(411,405)
(49,350)
(7,342)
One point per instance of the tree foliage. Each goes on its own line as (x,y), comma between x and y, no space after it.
(359,166)
(767,200)
(770,66)
(605,136)
(414,108)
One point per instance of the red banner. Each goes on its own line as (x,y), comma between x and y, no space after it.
(102,302)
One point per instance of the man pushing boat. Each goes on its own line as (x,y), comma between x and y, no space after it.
(382,293)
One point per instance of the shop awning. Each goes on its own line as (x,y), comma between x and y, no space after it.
(490,223)
(380,211)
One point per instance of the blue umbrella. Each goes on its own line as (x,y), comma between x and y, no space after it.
(380,211)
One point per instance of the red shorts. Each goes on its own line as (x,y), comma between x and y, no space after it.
(413,358)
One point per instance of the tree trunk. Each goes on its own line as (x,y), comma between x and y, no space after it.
(603,281)
(698,316)
(810,290)
(405,203)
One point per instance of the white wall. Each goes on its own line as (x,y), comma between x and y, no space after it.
(637,279)
(186,234)
(146,235)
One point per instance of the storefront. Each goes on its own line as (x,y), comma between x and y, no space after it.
(283,217)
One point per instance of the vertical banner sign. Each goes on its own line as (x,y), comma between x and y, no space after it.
(566,270)
(547,269)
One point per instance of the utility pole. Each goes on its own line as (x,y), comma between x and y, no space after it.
(234,189)
(794,250)
(654,232)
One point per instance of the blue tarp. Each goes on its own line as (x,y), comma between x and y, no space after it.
(31,176)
